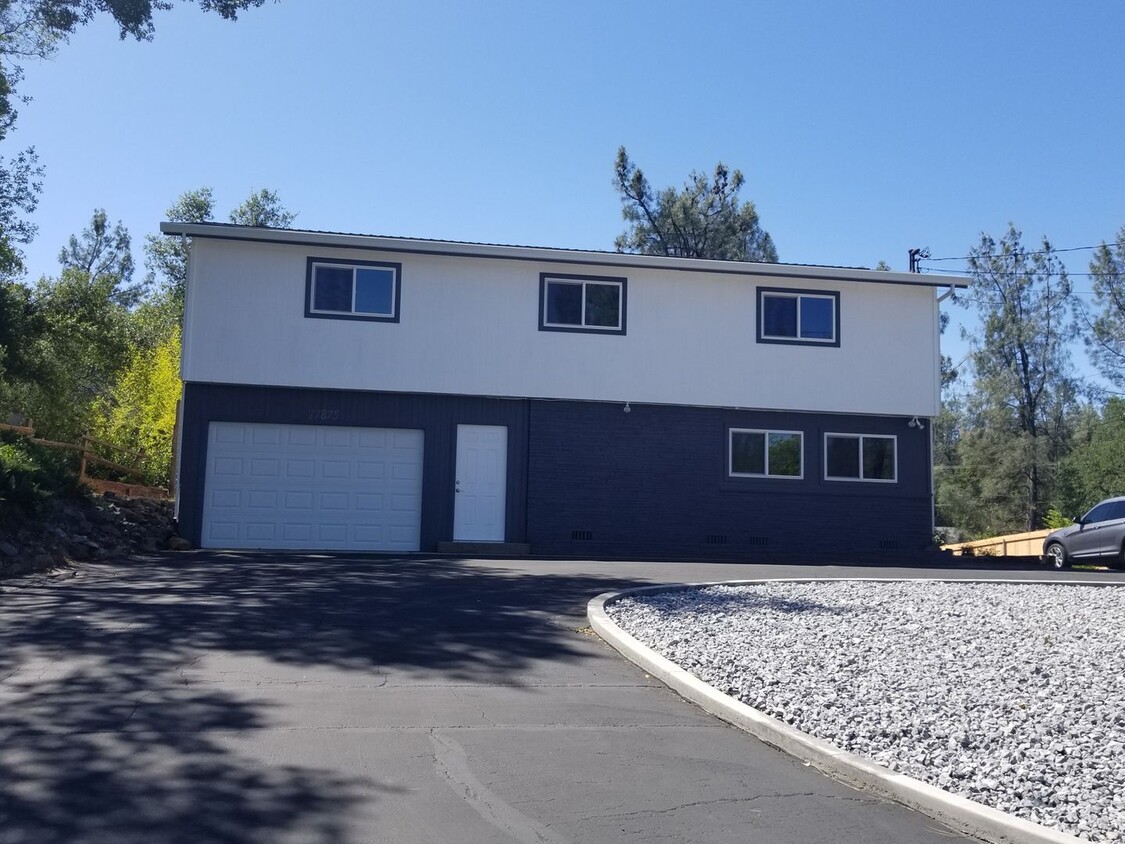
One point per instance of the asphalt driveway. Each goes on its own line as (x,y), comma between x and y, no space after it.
(256,698)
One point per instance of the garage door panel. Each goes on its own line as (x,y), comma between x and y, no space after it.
(399,535)
(368,503)
(261,531)
(372,439)
(265,435)
(333,501)
(295,532)
(225,499)
(405,471)
(260,499)
(300,435)
(334,438)
(307,487)
(334,534)
(226,467)
(265,468)
(221,531)
(300,468)
(298,501)
(336,468)
(227,432)
(369,470)
(403,503)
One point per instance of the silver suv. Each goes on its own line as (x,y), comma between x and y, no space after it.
(1098,534)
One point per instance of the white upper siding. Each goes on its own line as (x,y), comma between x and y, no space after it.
(469,325)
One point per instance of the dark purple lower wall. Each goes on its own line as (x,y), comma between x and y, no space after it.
(586,479)
(653,483)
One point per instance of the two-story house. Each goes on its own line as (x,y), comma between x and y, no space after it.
(352,392)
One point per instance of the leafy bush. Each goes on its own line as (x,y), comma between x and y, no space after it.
(30,475)
(140,411)
(1055,520)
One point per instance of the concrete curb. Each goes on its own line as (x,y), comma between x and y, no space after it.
(960,813)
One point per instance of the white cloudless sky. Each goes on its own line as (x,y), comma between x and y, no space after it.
(863,128)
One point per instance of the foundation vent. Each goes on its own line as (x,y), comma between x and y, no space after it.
(716,539)
(888,544)
(758,540)
(581,534)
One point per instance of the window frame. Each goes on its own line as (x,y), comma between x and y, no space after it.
(798,340)
(731,473)
(310,289)
(565,278)
(861,437)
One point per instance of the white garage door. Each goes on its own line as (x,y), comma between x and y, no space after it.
(312,487)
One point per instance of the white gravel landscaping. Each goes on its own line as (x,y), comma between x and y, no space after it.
(1012,695)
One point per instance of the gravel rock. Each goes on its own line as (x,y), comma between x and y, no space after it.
(1012,695)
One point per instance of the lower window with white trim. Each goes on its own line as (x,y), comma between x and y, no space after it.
(766,454)
(860,457)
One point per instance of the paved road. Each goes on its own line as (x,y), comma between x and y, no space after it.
(256,698)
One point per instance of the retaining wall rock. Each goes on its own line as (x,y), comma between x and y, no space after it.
(90,528)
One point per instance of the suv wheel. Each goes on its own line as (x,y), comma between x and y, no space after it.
(1056,556)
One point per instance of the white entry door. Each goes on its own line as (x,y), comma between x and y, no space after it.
(482,483)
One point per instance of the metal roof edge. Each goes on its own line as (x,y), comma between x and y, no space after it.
(338,240)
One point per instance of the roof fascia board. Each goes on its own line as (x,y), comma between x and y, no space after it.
(546,255)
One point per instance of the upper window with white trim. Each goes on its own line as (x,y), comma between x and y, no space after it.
(798,316)
(368,290)
(766,454)
(860,457)
(593,304)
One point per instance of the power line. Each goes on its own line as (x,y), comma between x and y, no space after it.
(944,271)
(1039,252)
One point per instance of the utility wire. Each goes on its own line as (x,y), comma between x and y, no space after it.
(944,271)
(1039,252)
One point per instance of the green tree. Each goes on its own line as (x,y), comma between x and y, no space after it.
(705,219)
(166,257)
(65,338)
(81,344)
(1105,340)
(102,251)
(264,209)
(1016,426)
(21,179)
(19,328)
(1095,467)
(139,412)
(948,370)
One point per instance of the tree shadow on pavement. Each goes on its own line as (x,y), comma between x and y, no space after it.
(106,736)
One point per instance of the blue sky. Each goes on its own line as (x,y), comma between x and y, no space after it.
(863,128)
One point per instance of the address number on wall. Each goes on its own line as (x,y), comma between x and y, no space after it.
(324,414)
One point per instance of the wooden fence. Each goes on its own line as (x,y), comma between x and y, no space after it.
(1029,544)
(88,457)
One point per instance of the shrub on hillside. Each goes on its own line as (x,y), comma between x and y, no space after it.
(140,411)
(29,476)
